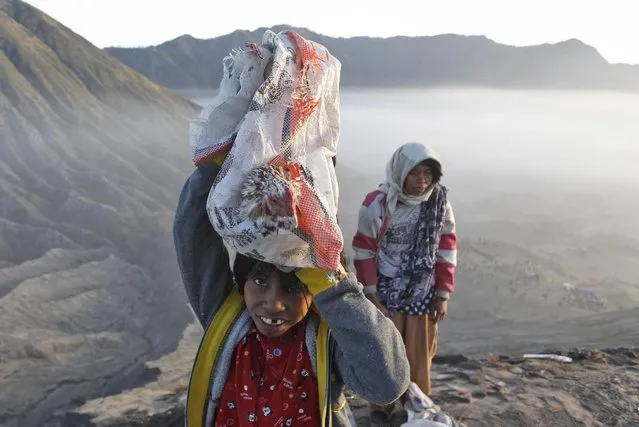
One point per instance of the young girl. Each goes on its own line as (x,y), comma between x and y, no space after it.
(406,252)
(278,347)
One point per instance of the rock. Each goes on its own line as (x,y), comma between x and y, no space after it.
(516,370)
(451,359)
(454,394)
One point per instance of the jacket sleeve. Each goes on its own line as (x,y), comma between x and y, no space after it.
(370,353)
(202,258)
(446,261)
(365,241)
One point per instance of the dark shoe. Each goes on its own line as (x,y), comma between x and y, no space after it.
(380,415)
(392,415)
(398,416)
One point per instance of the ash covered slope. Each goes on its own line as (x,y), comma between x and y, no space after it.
(92,157)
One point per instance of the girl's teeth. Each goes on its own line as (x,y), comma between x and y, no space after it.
(269,321)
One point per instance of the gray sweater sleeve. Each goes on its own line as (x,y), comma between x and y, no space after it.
(370,353)
(202,259)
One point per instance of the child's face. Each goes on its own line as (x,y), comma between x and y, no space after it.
(273,308)
(418,180)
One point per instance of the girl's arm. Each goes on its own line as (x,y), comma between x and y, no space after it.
(202,259)
(365,241)
(370,353)
(446,262)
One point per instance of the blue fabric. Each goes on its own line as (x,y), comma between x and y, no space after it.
(412,290)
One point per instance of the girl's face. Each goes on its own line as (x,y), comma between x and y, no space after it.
(275,305)
(418,180)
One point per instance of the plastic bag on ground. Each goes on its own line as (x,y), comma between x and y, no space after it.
(276,118)
(422,411)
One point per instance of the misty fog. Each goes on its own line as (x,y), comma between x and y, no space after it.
(491,142)
(565,137)
(544,187)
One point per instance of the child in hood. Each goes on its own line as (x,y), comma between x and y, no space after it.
(279,347)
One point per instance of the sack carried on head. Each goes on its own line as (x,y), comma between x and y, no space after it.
(276,119)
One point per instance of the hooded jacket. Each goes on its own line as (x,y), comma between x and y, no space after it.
(375,216)
(349,341)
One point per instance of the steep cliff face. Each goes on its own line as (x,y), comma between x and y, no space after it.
(92,157)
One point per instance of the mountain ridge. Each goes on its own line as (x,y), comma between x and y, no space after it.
(187,62)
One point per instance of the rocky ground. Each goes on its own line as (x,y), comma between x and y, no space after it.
(598,388)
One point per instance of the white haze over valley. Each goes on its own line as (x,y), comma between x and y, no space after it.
(545,187)
(562,136)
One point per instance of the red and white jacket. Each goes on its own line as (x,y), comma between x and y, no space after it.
(372,225)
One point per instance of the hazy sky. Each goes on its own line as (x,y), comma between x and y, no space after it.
(608,26)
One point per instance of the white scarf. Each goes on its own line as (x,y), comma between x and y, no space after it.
(404,159)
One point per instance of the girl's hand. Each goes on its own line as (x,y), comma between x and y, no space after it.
(439,310)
